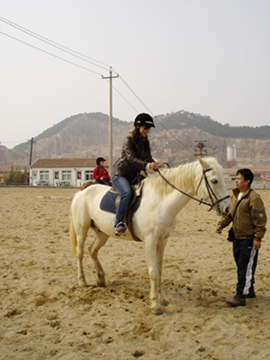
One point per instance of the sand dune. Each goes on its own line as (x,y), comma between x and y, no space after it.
(45,314)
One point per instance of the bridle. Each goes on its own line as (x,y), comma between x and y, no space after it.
(212,195)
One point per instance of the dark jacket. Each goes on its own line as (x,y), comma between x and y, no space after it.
(249,219)
(135,155)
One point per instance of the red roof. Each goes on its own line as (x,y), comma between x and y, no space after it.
(67,162)
(5,168)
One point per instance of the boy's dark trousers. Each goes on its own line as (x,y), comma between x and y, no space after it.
(246,260)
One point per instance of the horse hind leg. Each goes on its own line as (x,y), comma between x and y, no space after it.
(101,239)
(81,237)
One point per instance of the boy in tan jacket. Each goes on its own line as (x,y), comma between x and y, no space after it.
(249,220)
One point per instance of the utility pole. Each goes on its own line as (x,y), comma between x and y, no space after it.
(200,148)
(110,121)
(31,150)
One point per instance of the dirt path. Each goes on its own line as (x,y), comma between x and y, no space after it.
(44,314)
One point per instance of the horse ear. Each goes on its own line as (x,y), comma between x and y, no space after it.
(204,163)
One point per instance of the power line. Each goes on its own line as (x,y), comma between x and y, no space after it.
(12,37)
(153,115)
(55,44)
(180,142)
(61,47)
(122,96)
(133,92)
(51,152)
(82,57)
(48,53)
(12,142)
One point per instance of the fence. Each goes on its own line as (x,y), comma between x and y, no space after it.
(256,185)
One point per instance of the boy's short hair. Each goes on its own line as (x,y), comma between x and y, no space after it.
(247,174)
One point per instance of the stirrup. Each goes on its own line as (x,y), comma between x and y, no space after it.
(125,228)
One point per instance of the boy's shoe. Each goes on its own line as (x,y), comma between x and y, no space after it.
(250,295)
(121,229)
(238,300)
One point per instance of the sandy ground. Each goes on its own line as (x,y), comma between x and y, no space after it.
(45,314)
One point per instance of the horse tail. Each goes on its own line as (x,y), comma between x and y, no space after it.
(73,237)
(72,232)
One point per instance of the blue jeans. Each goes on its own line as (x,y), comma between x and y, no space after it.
(123,188)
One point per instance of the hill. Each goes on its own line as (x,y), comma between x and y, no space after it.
(173,140)
(186,120)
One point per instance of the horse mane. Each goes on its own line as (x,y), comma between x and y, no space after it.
(182,176)
(179,176)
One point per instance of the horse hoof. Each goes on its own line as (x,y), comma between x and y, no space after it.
(83,284)
(101,284)
(164,303)
(157,311)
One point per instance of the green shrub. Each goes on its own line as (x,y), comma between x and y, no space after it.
(17,177)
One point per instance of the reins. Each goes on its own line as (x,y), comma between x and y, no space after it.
(208,187)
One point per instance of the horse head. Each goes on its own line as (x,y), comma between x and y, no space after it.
(211,185)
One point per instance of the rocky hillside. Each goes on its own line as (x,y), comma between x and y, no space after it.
(173,140)
(13,157)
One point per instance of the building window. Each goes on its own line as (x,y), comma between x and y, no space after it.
(66,175)
(44,175)
(89,175)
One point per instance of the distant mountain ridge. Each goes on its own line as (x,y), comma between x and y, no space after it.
(186,120)
(173,139)
(55,129)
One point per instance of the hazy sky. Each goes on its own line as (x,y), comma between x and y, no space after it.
(210,57)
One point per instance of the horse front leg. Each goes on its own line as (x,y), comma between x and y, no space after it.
(160,253)
(151,253)
(100,240)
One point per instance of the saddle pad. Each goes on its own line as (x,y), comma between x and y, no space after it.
(108,202)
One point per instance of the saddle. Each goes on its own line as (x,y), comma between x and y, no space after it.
(111,199)
(89,183)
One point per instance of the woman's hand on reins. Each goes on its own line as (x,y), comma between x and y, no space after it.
(156,165)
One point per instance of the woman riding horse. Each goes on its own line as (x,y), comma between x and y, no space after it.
(135,157)
(154,220)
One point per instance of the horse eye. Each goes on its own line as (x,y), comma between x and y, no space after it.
(214,181)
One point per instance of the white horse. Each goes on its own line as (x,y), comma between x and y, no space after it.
(153,222)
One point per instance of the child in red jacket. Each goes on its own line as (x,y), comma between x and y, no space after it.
(100,174)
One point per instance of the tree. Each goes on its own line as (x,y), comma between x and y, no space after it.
(17,177)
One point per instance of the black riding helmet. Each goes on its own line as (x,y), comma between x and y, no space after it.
(144,119)
(99,160)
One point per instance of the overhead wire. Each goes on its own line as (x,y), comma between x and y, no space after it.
(49,151)
(153,115)
(46,148)
(82,57)
(13,142)
(56,45)
(48,53)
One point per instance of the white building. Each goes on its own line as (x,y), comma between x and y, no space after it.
(234,152)
(231,152)
(63,172)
